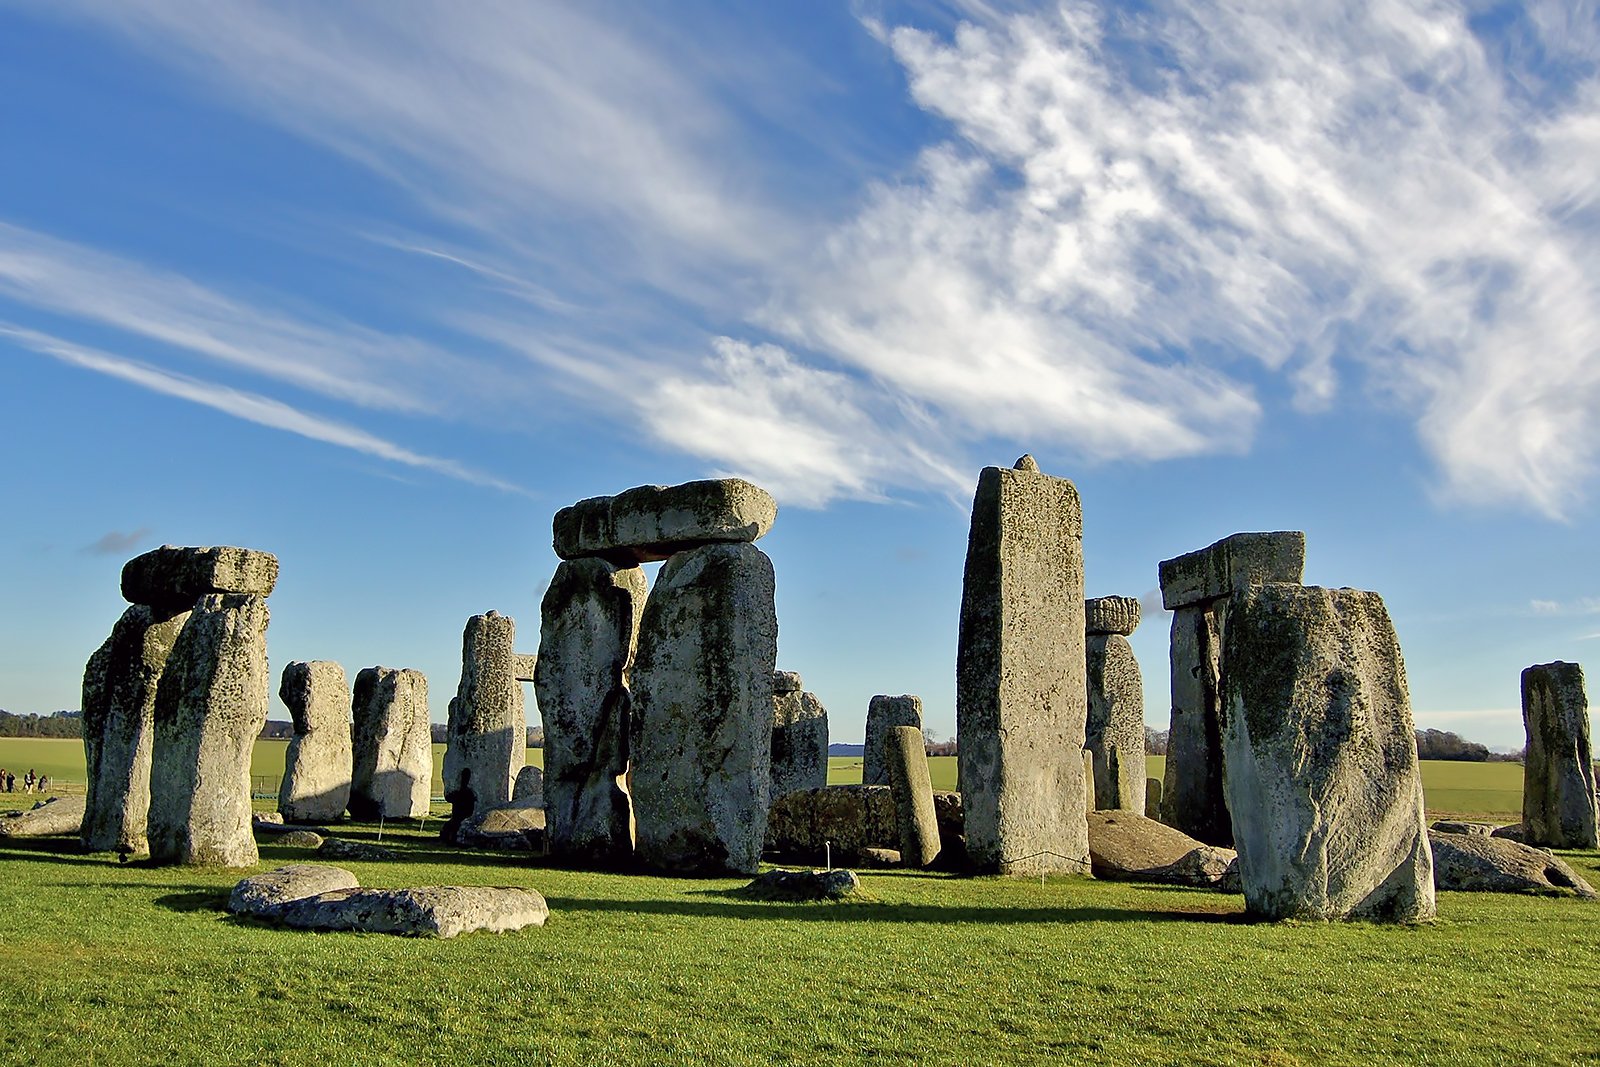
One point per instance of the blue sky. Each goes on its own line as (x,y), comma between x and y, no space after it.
(380,288)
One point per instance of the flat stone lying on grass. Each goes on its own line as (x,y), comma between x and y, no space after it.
(1459,826)
(298,838)
(1126,846)
(1512,832)
(518,827)
(836,884)
(879,857)
(651,522)
(58,815)
(267,818)
(338,848)
(259,893)
(172,579)
(1475,863)
(428,911)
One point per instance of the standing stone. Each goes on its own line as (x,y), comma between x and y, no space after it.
(1322,773)
(392,774)
(884,713)
(529,787)
(799,737)
(912,788)
(1195,587)
(1021,703)
(589,623)
(1558,799)
(316,768)
(119,700)
(487,737)
(1115,727)
(211,703)
(1152,798)
(702,730)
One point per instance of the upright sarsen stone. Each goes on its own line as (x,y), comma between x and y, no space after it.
(1114,734)
(1558,800)
(884,713)
(211,703)
(316,767)
(392,772)
(912,789)
(799,737)
(1321,758)
(589,624)
(1020,686)
(487,736)
(702,701)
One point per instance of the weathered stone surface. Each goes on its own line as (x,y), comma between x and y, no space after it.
(1457,826)
(1111,615)
(298,838)
(1512,832)
(799,742)
(487,735)
(524,664)
(1322,772)
(211,703)
(852,818)
(519,827)
(1236,562)
(1558,802)
(912,790)
(338,848)
(1152,798)
(1477,863)
(392,772)
(1021,702)
(952,830)
(884,713)
(1192,798)
(260,893)
(429,911)
(1114,734)
(786,682)
(804,885)
(652,522)
(1125,845)
(58,815)
(702,700)
(267,818)
(529,786)
(589,623)
(171,579)
(316,766)
(119,701)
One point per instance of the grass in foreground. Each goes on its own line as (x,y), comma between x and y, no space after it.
(113,964)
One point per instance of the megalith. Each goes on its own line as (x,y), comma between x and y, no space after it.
(486,741)
(392,761)
(884,713)
(799,736)
(589,625)
(1021,703)
(912,789)
(702,703)
(1558,799)
(211,703)
(1195,587)
(316,767)
(1114,732)
(651,522)
(1321,764)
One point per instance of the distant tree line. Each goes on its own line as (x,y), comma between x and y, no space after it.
(1442,744)
(61,724)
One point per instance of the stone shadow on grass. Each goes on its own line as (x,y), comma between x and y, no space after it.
(195,898)
(733,904)
(52,850)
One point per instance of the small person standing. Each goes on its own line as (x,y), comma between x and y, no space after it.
(28,780)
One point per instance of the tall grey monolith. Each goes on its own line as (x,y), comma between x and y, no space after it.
(884,713)
(1114,734)
(119,700)
(1558,800)
(1195,587)
(1321,758)
(589,625)
(799,737)
(392,772)
(316,767)
(909,783)
(486,740)
(1021,704)
(702,702)
(211,703)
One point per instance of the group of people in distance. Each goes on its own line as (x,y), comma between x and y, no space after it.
(31,783)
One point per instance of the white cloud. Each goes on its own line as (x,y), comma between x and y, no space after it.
(1587,605)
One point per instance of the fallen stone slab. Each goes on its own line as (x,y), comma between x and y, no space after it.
(1475,863)
(651,522)
(338,848)
(260,893)
(1458,826)
(298,838)
(515,827)
(1512,832)
(172,579)
(58,815)
(430,911)
(879,858)
(1127,846)
(836,884)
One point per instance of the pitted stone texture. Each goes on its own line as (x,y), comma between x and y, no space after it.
(529,787)
(786,682)
(1114,735)
(316,767)
(58,815)
(651,522)
(702,728)
(589,623)
(1236,562)
(1152,798)
(339,848)
(1192,797)
(804,885)
(429,911)
(392,774)
(1478,863)
(210,706)
(1460,826)
(119,701)
(799,742)
(524,664)
(1127,846)
(171,579)
(884,713)
(1021,704)
(912,790)
(487,735)
(1558,802)
(260,893)
(516,827)
(1111,615)
(1322,772)
(852,818)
